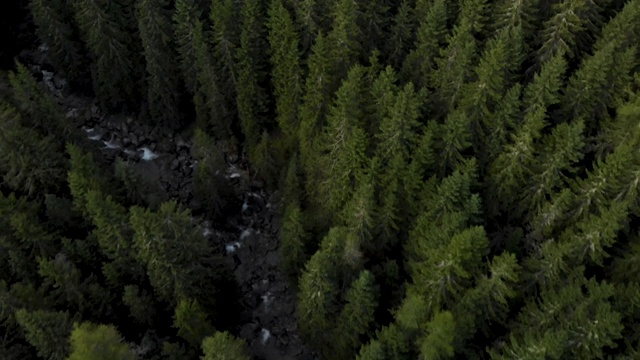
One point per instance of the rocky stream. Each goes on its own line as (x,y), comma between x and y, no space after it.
(250,240)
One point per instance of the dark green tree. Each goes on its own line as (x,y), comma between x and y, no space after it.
(98,342)
(224,346)
(252,98)
(287,72)
(54,21)
(115,64)
(156,34)
(47,331)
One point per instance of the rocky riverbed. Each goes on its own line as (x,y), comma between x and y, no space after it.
(249,237)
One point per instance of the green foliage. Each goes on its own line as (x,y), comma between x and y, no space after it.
(252,97)
(139,303)
(209,182)
(175,271)
(98,342)
(224,346)
(191,321)
(287,72)
(29,162)
(438,343)
(54,22)
(357,316)
(115,65)
(47,331)
(162,68)
(293,240)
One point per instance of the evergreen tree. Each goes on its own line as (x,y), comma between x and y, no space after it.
(114,63)
(42,112)
(47,331)
(293,240)
(345,142)
(140,304)
(162,69)
(30,163)
(175,270)
(287,72)
(399,40)
(98,342)
(357,316)
(604,72)
(319,289)
(191,321)
(224,346)
(564,33)
(225,40)
(55,29)
(430,38)
(252,98)
(210,186)
(437,344)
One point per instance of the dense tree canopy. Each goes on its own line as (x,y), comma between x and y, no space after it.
(453,179)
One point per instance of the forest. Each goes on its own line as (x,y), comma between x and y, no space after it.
(320,179)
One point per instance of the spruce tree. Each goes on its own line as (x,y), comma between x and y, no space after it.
(191,321)
(225,37)
(30,162)
(98,342)
(47,331)
(162,69)
(114,64)
(54,21)
(430,38)
(357,316)
(287,72)
(224,346)
(252,98)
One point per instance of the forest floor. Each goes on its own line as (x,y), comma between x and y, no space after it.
(248,237)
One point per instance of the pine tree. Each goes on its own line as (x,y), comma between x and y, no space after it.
(162,69)
(552,168)
(319,289)
(114,64)
(345,37)
(373,22)
(175,270)
(42,112)
(287,72)
(98,342)
(198,71)
(443,277)
(29,162)
(140,304)
(580,310)
(293,240)
(512,14)
(184,18)
(191,321)
(316,99)
(596,85)
(500,60)
(430,38)
(438,343)
(210,186)
(224,346)
(345,143)
(564,32)
(47,331)
(252,98)
(54,24)
(357,316)
(399,40)
(454,64)
(225,39)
